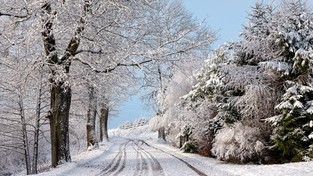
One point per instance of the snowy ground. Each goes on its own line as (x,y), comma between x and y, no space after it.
(137,152)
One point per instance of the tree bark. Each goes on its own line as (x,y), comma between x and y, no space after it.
(161,133)
(91,119)
(59,124)
(104,116)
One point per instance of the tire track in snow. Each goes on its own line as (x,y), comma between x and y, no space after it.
(185,162)
(115,164)
(156,167)
(122,165)
(142,167)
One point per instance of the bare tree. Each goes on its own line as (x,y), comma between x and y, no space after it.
(21,109)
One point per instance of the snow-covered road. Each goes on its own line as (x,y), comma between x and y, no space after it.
(134,157)
(131,157)
(142,154)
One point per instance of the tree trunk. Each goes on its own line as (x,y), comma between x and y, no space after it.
(180,141)
(104,116)
(161,133)
(91,120)
(36,140)
(25,137)
(37,126)
(60,94)
(59,124)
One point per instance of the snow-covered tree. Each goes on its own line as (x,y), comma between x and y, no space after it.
(256,42)
(238,143)
(23,110)
(292,132)
(173,88)
(105,37)
(280,39)
(252,81)
(227,93)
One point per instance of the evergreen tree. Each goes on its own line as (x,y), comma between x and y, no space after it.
(253,48)
(291,36)
(280,39)
(292,132)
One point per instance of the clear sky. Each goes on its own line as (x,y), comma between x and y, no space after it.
(129,111)
(226,17)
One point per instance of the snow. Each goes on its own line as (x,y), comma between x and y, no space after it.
(276,65)
(305,89)
(157,154)
(298,104)
(310,110)
(284,105)
(311,135)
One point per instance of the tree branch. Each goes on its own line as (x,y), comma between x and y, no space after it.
(108,70)
(47,34)
(12,15)
(89,51)
(3,147)
(75,41)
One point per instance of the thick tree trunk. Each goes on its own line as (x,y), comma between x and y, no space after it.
(59,124)
(104,116)
(91,120)
(60,94)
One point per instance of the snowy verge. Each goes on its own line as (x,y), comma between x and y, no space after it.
(78,161)
(209,164)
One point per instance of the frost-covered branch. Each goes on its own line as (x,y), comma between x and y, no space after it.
(108,70)
(89,51)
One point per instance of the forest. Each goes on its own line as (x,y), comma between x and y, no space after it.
(66,65)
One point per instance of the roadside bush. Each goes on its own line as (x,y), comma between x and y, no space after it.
(189,147)
(238,144)
(205,145)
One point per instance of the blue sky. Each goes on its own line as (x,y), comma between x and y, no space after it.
(133,109)
(226,17)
